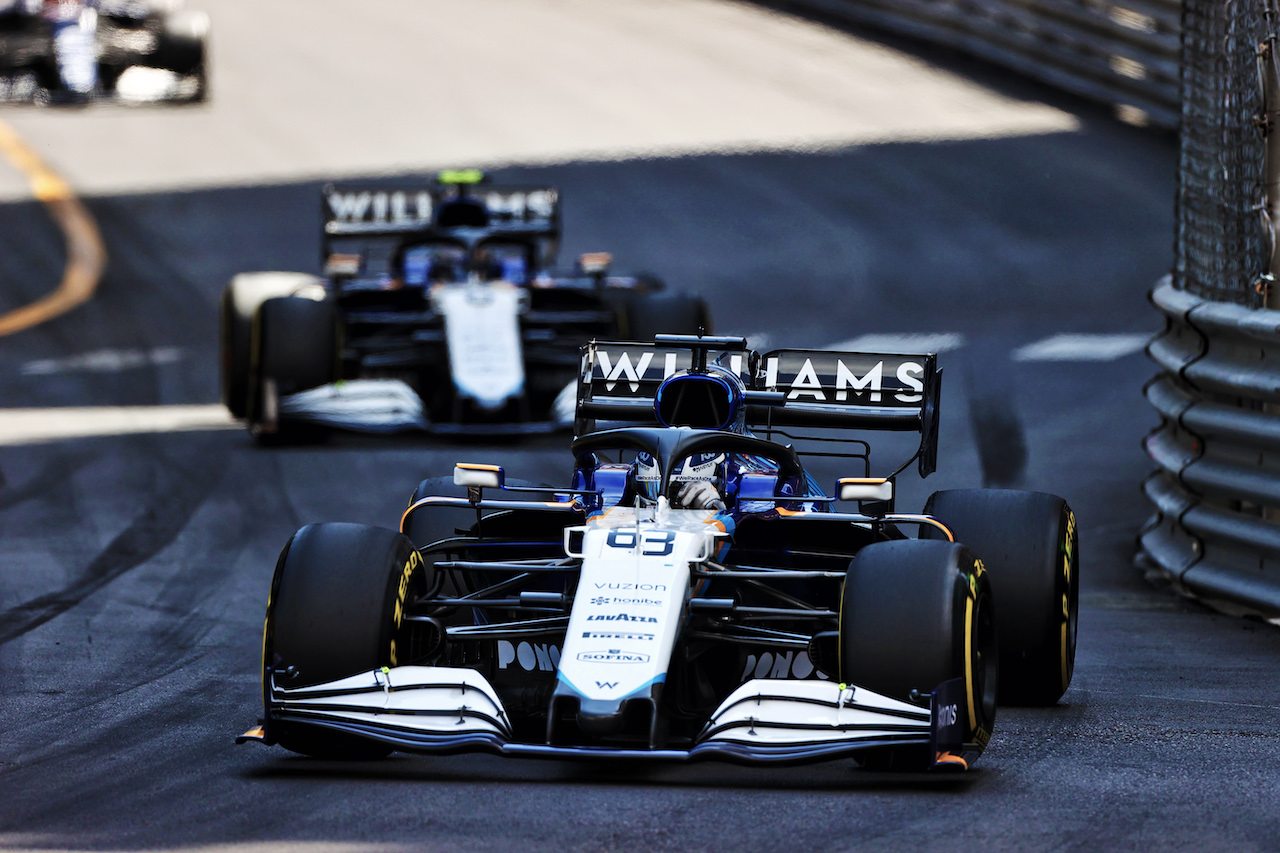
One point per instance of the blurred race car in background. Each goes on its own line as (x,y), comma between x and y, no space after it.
(439,310)
(77,51)
(693,593)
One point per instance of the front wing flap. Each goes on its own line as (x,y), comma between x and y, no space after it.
(765,721)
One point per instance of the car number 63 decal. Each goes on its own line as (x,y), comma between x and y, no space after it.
(658,543)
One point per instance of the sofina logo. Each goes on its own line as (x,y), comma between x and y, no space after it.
(612,656)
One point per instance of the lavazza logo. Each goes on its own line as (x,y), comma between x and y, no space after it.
(619,617)
(613,656)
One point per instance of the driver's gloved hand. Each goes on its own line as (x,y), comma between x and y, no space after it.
(699,494)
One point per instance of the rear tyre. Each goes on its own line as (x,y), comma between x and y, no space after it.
(1027,540)
(666,314)
(182,42)
(335,609)
(913,615)
(240,301)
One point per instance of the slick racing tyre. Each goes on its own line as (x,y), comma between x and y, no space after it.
(295,348)
(913,615)
(239,303)
(666,314)
(1027,540)
(335,610)
(183,45)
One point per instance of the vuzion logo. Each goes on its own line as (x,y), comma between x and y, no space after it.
(639,587)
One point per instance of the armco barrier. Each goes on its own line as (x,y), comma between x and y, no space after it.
(1217,486)
(1122,52)
(1216,490)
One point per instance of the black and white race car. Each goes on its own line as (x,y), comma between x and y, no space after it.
(439,310)
(693,594)
(76,51)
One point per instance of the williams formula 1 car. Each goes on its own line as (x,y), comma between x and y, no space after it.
(439,310)
(76,51)
(693,594)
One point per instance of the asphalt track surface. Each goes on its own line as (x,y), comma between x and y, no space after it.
(134,569)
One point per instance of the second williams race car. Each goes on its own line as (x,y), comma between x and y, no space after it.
(440,310)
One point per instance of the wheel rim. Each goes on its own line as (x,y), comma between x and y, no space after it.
(1070,597)
(985,663)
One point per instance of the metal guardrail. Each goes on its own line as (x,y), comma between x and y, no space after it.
(1217,488)
(1122,52)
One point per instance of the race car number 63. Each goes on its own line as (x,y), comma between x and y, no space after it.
(663,542)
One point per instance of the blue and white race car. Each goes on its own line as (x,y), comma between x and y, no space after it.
(76,51)
(692,594)
(439,310)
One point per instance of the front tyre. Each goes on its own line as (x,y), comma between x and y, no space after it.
(914,614)
(336,609)
(296,347)
(1029,544)
(240,301)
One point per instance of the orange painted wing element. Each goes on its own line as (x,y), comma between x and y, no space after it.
(949,761)
(257,733)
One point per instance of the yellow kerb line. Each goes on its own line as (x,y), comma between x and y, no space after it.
(86,256)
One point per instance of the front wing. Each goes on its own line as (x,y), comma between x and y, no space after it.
(440,710)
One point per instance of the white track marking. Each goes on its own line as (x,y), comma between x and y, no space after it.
(903,343)
(102,361)
(35,426)
(1078,347)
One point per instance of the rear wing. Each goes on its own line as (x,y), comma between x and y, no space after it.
(805,389)
(364,225)
(383,210)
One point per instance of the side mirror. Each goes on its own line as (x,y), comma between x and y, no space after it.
(479,476)
(595,263)
(864,489)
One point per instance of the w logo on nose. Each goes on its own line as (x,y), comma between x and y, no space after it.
(606,685)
